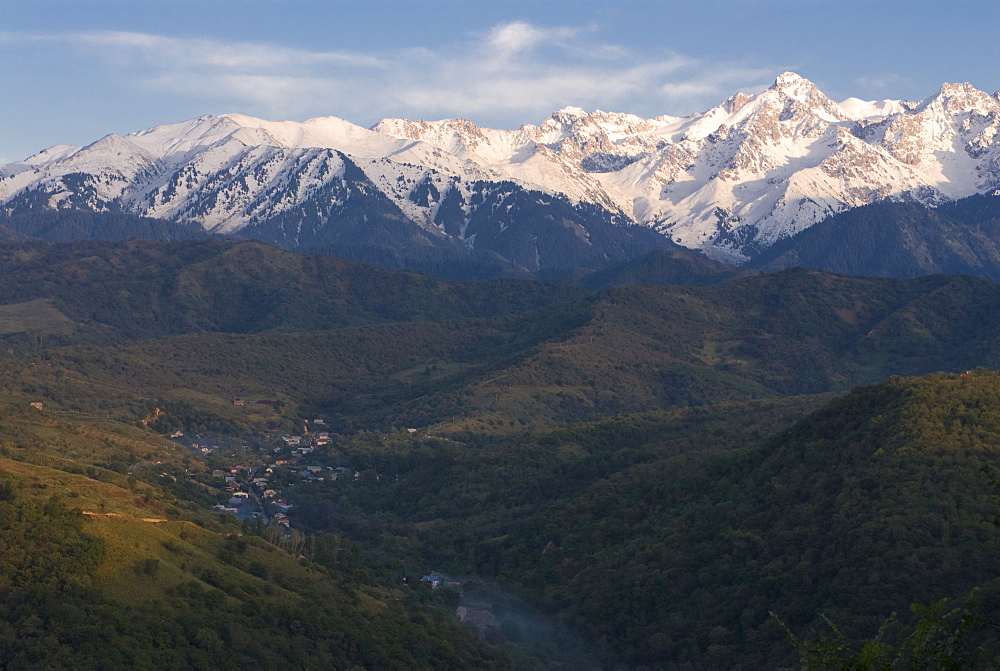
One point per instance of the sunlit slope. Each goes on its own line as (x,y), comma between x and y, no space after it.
(104,566)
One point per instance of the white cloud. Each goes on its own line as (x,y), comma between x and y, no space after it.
(514,73)
(510,40)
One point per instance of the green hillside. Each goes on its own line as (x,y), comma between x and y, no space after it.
(627,349)
(102,567)
(669,538)
(871,504)
(142,289)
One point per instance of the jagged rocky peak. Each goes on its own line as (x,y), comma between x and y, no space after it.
(416,130)
(735,102)
(792,109)
(804,97)
(777,161)
(596,141)
(568,115)
(793,84)
(956,118)
(963,97)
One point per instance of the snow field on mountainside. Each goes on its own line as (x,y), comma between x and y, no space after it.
(728,181)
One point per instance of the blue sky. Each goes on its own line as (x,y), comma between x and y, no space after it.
(75,70)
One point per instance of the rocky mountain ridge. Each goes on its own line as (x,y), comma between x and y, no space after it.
(729,182)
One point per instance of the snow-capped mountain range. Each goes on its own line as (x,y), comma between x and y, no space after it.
(729,181)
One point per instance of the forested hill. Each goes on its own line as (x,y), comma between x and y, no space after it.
(874,502)
(898,240)
(576,356)
(669,538)
(142,289)
(56,226)
(664,268)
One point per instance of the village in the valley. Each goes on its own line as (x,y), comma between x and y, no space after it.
(252,477)
(255,485)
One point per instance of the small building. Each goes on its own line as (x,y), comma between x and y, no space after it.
(433,579)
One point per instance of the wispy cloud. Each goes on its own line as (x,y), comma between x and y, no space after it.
(515,71)
(222,56)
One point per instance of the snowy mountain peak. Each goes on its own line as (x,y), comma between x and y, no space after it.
(794,96)
(183,137)
(793,84)
(728,181)
(964,97)
(569,114)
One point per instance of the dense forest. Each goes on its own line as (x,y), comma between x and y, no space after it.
(898,239)
(747,469)
(673,536)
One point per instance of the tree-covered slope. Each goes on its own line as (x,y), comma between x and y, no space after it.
(898,240)
(670,538)
(665,267)
(870,504)
(627,349)
(72,225)
(645,348)
(142,289)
